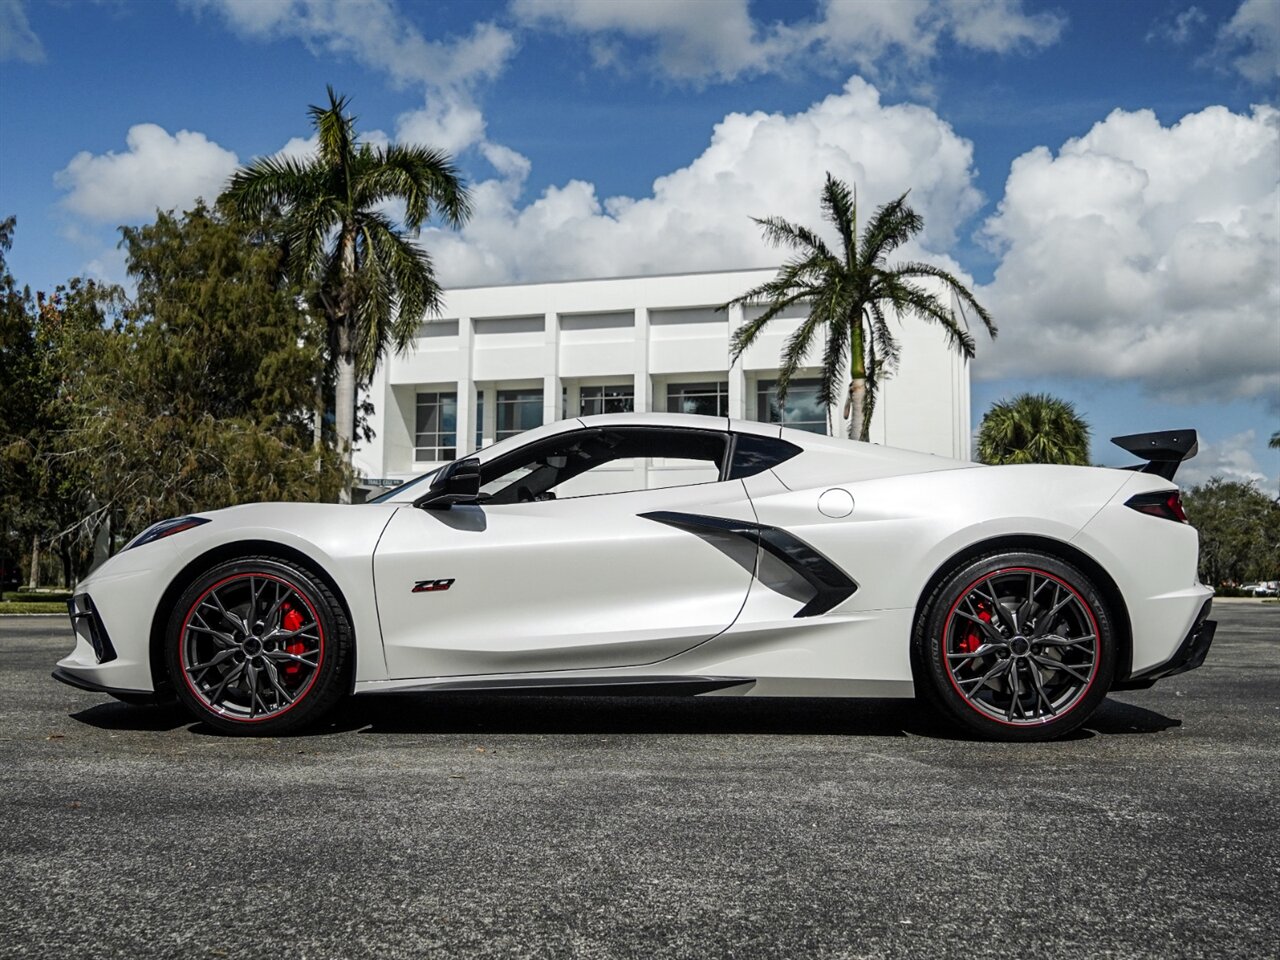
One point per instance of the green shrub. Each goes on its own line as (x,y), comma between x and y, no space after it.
(37,596)
(25,609)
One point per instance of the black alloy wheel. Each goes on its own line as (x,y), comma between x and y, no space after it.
(1016,646)
(258,646)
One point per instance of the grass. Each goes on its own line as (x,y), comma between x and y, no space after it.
(26,608)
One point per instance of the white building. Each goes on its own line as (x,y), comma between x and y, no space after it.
(503,359)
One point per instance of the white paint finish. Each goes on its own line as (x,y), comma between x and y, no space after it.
(550,585)
(338,538)
(862,646)
(1162,590)
(126,591)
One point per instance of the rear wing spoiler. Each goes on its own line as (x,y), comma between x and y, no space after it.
(1162,450)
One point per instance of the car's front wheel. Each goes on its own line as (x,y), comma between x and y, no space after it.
(258,646)
(1016,646)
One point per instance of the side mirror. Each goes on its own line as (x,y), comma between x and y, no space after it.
(459,482)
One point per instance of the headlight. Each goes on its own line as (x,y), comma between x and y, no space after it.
(165,528)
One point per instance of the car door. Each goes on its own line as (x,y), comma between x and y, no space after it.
(528,583)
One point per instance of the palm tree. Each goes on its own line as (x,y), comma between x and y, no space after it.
(373,283)
(1033,428)
(849,295)
(1274,442)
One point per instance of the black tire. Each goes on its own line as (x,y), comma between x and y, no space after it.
(258,646)
(1007,669)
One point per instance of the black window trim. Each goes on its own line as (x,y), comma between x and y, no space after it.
(731,437)
(566,435)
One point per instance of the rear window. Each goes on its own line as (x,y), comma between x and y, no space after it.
(753,454)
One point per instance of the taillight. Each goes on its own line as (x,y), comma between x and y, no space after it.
(1166,504)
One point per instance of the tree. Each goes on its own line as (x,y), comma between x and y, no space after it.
(1239,530)
(372,282)
(849,294)
(1274,442)
(212,373)
(1033,428)
(19,384)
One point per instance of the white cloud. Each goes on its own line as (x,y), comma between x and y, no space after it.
(158,170)
(446,123)
(1000,26)
(698,217)
(1251,41)
(719,40)
(17,40)
(712,38)
(866,33)
(1146,253)
(1179,29)
(374,33)
(1230,458)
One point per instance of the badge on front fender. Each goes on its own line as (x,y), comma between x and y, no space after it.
(431,586)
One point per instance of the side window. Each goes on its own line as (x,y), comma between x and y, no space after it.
(752,454)
(591,462)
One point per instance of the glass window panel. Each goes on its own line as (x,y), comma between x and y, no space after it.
(593,400)
(518,410)
(802,411)
(705,399)
(435,434)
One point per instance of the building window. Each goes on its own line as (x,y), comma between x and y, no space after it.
(436,435)
(802,410)
(518,411)
(593,400)
(707,399)
(479,419)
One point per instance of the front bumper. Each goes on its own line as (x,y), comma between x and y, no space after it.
(87,625)
(111,651)
(63,675)
(1189,655)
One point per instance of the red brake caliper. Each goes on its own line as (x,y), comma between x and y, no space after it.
(971,642)
(291,621)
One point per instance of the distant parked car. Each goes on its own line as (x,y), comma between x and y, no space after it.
(1264,588)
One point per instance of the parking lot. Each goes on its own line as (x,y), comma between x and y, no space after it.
(466,826)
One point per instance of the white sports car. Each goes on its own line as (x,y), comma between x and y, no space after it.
(662,553)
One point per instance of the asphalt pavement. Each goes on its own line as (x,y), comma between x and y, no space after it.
(464,826)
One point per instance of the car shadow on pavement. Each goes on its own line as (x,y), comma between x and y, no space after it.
(470,714)
(149,718)
(449,713)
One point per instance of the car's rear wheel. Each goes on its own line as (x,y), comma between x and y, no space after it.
(258,646)
(1016,646)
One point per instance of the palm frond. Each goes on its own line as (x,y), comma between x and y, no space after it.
(783,233)
(335,131)
(963,294)
(403,284)
(271,184)
(746,334)
(892,225)
(797,346)
(834,358)
(910,299)
(425,179)
(840,206)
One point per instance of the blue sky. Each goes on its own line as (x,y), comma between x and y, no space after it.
(1106,174)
